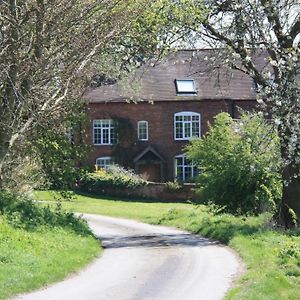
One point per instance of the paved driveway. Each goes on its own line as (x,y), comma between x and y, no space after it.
(146,262)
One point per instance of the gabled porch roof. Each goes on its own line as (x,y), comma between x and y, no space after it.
(147,150)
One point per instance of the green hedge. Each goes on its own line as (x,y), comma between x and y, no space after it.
(113,177)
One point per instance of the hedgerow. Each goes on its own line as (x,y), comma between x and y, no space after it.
(113,177)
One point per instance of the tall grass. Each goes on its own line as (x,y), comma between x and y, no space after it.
(39,245)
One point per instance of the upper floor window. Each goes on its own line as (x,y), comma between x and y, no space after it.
(143,131)
(103,162)
(185,87)
(104,132)
(186,125)
(185,169)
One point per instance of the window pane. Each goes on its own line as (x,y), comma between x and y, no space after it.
(179,130)
(186,125)
(179,175)
(143,130)
(185,169)
(106,123)
(195,129)
(187,172)
(185,86)
(187,130)
(113,136)
(104,162)
(97,136)
(105,137)
(179,161)
(104,132)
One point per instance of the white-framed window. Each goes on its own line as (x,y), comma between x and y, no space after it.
(184,168)
(142,131)
(186,125)
(104,162)
(104,132)
(185,86)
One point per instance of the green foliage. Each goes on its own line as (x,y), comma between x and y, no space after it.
(114,177)
(240,162)
(157,28)
(60,151)
(289,258)
(58,159)
(21,212)
(293,216)
(173,186)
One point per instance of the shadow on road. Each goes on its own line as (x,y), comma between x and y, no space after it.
(155,240)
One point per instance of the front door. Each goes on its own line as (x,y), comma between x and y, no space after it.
(151,172)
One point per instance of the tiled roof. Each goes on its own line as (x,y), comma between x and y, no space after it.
(156,83)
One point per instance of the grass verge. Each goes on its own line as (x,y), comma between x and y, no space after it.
(272,257)
(34,253)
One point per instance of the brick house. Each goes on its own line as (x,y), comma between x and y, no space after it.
(146,123)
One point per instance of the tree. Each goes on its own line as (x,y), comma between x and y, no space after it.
(240,164)
(51,48)
(45,47)
(60,149)
(261,39)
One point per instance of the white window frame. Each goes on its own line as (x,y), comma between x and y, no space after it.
(111,126)
(183,91)
(139,133)
(184,166)
(105,160)
(185,130)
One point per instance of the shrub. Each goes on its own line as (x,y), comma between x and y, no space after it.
(114,177)
(240,164)
(173,186)
(20,211)
(289,258)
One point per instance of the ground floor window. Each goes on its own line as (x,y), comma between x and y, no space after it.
(185,169)
(104,162)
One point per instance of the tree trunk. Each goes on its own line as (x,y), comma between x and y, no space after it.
(290,204)
(3,152)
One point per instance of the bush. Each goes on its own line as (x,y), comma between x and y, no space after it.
(114,177)
(240,164)
(173,186)
(20,211)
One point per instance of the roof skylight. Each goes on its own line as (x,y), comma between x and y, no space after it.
(185,86)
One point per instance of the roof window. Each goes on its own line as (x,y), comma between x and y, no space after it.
(185,87)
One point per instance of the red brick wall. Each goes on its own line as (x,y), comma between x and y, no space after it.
(160,117)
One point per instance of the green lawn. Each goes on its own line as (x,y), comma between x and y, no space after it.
(143,211)
(272,257)
(31,259)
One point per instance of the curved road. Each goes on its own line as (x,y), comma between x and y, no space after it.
(146,262)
